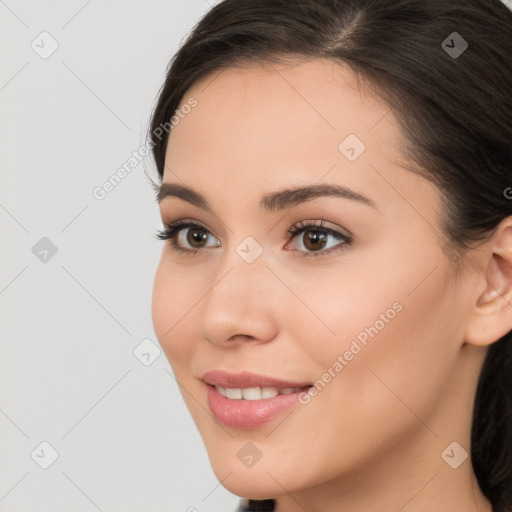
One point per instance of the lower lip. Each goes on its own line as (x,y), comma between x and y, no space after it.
(248,414)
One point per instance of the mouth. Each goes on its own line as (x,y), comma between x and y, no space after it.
(257,393)
(248,380)
(249,401)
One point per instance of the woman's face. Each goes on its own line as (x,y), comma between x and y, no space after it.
(375,319)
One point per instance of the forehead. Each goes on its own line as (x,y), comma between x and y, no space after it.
(262,127)
(295,101)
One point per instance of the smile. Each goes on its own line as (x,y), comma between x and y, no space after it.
(256,393)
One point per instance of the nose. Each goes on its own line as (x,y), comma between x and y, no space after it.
(241,304)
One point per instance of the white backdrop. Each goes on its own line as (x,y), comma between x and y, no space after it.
(85,425)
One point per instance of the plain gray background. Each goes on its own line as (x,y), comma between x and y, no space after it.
(70,323)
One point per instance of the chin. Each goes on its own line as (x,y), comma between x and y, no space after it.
(252,490)
(252,483)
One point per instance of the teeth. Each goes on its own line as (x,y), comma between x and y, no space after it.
(269,392)
(251,393)
(254,393)
(234,393)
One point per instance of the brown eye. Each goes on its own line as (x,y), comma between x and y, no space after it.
(195,237)
(187,236)
(314,240)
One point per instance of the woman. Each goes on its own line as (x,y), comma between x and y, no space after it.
(335,296)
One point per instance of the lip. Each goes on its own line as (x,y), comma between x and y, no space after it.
(248,380)
(248,414)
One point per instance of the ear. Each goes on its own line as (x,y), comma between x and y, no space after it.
(491,314)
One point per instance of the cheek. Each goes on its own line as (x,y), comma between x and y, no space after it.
(173,300)
(363,326)
(390,348)
(344,315)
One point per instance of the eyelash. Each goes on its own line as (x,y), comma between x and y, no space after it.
(171,230)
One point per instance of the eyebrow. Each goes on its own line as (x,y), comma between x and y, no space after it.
(271,202)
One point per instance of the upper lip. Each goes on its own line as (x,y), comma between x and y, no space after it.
(247,380)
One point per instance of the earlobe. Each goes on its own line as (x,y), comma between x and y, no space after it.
(491,317)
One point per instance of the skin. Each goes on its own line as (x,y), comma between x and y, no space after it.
(372,438)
